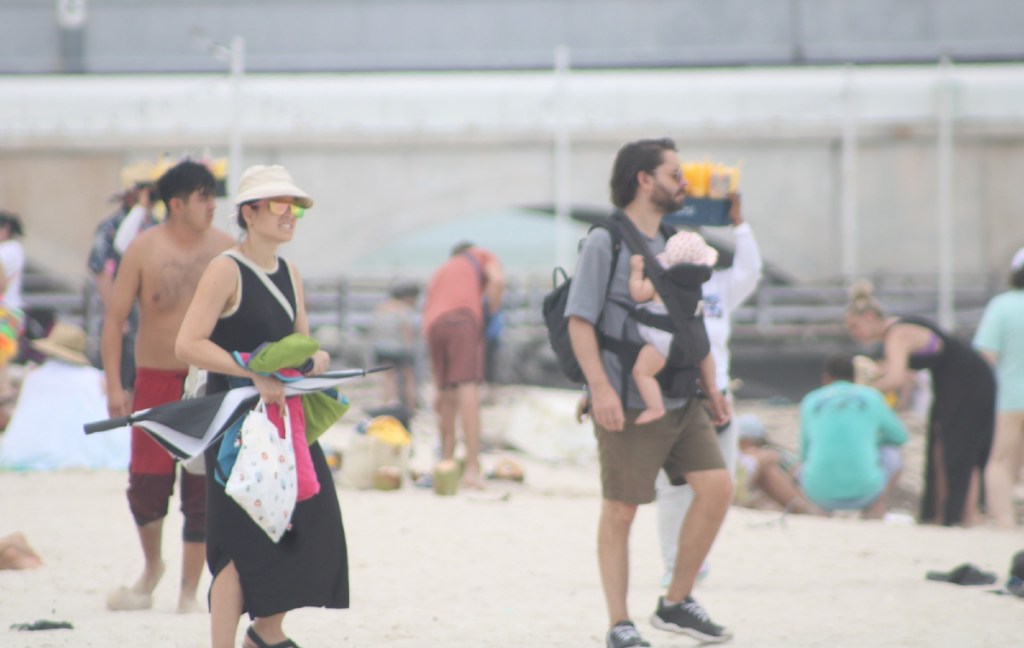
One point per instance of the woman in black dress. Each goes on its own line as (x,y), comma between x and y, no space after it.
(962,417)
(246,297)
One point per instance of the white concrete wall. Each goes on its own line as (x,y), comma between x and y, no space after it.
(384,155)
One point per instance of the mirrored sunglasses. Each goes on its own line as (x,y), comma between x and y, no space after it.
(281,207)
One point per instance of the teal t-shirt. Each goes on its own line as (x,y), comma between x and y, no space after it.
(1001,331)
(842,426)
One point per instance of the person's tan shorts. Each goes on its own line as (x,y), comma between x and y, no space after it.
(681,442)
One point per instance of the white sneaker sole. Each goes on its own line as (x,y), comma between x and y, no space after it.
(662,624)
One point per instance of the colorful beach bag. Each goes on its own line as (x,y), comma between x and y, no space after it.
(263,480)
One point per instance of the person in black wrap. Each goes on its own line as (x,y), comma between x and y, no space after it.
(962,418)
(234,309)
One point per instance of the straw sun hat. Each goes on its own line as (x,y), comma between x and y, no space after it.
(260,181)
(65,342)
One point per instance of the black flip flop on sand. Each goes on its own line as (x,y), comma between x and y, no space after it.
(965,574)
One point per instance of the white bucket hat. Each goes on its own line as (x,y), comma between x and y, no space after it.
(65,342)
(687,247)
(261,181)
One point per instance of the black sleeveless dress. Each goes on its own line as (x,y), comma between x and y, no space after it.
(308,567)
(962,417)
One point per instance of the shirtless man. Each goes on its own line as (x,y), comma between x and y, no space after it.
(160,269)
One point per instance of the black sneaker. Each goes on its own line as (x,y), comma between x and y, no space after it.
(688,618)
(624,635)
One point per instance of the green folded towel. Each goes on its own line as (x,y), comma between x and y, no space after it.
(289,352)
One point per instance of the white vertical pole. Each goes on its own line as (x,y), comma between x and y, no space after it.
(237,53)
(848,191)
(945,195)
(563,154)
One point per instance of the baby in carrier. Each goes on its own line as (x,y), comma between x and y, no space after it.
(683,247)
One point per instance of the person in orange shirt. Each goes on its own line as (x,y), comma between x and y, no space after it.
(453,321)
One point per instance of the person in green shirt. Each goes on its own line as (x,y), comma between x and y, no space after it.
(849,443)
(1000,340)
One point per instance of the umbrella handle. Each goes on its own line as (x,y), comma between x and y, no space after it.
(107,424)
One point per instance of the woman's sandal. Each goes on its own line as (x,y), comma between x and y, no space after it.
(258,640)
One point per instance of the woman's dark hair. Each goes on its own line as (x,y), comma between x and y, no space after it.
(404,290)
(184,178)
(642,155)
(241,221)
(12,221)
(1017,278)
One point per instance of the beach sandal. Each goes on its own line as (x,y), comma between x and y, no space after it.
(258,640)
(125,599)
(965,574)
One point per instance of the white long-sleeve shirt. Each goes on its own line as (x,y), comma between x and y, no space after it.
(725,291)
(12,258)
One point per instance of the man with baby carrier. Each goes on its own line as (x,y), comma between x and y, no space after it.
(647,184)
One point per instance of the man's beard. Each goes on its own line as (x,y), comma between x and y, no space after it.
(665,201)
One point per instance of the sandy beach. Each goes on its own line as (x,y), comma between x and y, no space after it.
(519,570)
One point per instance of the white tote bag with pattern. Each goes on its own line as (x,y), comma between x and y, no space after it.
(263,480)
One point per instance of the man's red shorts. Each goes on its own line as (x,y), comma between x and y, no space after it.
(151,471)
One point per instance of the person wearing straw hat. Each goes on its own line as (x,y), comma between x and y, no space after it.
(249,296)
(159,272)
(43,437)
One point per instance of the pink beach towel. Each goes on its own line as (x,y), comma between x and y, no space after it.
(304,470)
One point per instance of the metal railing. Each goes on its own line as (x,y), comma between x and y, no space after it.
(341,309)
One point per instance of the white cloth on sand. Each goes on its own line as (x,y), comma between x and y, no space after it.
(45,431)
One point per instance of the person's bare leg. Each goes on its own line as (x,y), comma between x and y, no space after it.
(140,595)
(1004,464)
(225,607)
(270,629)
(445,404)
(877,509)
(648,363)
(891,461)
(777,484)
(941,485)
(972,515)
(409,388)
(387,381)
(19,540)
(16,553)
(712,493)
(152,537)
(469,414)
(192,562)
(613,556)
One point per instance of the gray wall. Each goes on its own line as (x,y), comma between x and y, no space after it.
(308,35)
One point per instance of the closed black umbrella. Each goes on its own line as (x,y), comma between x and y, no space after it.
(187,427)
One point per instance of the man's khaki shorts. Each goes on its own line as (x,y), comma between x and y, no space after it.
(681,442)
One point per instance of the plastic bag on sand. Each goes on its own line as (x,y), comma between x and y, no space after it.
(543,426)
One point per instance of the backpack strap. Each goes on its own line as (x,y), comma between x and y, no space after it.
(625,350)
(613,232)
(680,372)
(479,269)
